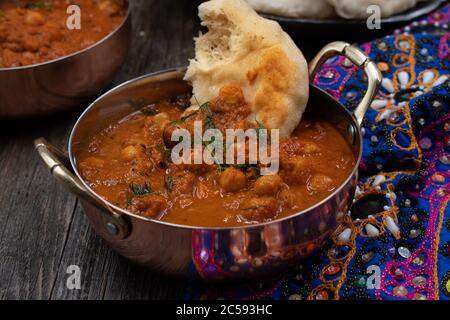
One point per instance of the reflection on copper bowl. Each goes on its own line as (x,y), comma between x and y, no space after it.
(212,254)
(66,82)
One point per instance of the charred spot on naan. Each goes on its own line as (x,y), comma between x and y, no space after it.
(270,101)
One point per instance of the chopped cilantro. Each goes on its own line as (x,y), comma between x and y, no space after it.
(209,116)
(169,183)
(140,190)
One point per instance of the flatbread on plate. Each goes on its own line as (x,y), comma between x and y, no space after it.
(310,9)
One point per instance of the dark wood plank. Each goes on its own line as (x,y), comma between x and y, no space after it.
(36,212)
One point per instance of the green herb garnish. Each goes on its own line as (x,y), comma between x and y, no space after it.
(168,181)
(149,110)
(261,130)
(204,108)
(256,170)
(129,198)
(140,190)
(209,116)
(141,104)
(166,155)
(185,118)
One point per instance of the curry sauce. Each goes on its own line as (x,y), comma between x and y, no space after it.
(36,31)
(129,164)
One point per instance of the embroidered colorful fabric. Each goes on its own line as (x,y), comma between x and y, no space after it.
(395,241)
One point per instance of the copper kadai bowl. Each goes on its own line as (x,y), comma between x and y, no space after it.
(212,254)
(66,82)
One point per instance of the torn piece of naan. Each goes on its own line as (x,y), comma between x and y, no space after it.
(244,49)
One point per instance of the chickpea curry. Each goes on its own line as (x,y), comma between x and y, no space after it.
(36,31)
(129,164)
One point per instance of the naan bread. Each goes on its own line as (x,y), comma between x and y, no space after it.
(312,9)
(244,49)
(357,9)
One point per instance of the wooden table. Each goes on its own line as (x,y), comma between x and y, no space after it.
(43,229)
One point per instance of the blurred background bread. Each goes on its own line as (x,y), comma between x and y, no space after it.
(311,9)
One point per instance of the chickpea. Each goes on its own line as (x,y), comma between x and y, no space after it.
(286,197)
(34,18)
(260,208)
(130,153)
(232,180)
(320,182)
(161,119)
(109,7)
(32,44)
(297,170)
(13,46)
(9,57)
(150,206)
(310,148)
(183,182)
(229,96)
(169,129)
(90,166)
(104,5)
(232,94)
(268,185)
(28,55)
(189,111)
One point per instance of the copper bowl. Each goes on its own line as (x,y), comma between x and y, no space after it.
(212,254)
(66,82)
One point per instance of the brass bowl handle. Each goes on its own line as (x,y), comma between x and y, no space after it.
(57,162)
(361,60)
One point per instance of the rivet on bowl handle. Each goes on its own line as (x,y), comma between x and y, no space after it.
(361,60)
(57,162)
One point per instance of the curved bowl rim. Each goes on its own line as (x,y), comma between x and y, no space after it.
(79,52)
(398,18)
(124,212)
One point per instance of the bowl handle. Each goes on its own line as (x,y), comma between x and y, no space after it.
(116,226)
(361,60)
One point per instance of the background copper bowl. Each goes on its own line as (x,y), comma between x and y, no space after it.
(66,82)
(211,254)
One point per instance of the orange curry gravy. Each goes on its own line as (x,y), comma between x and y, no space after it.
(129,165)
(35,31)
